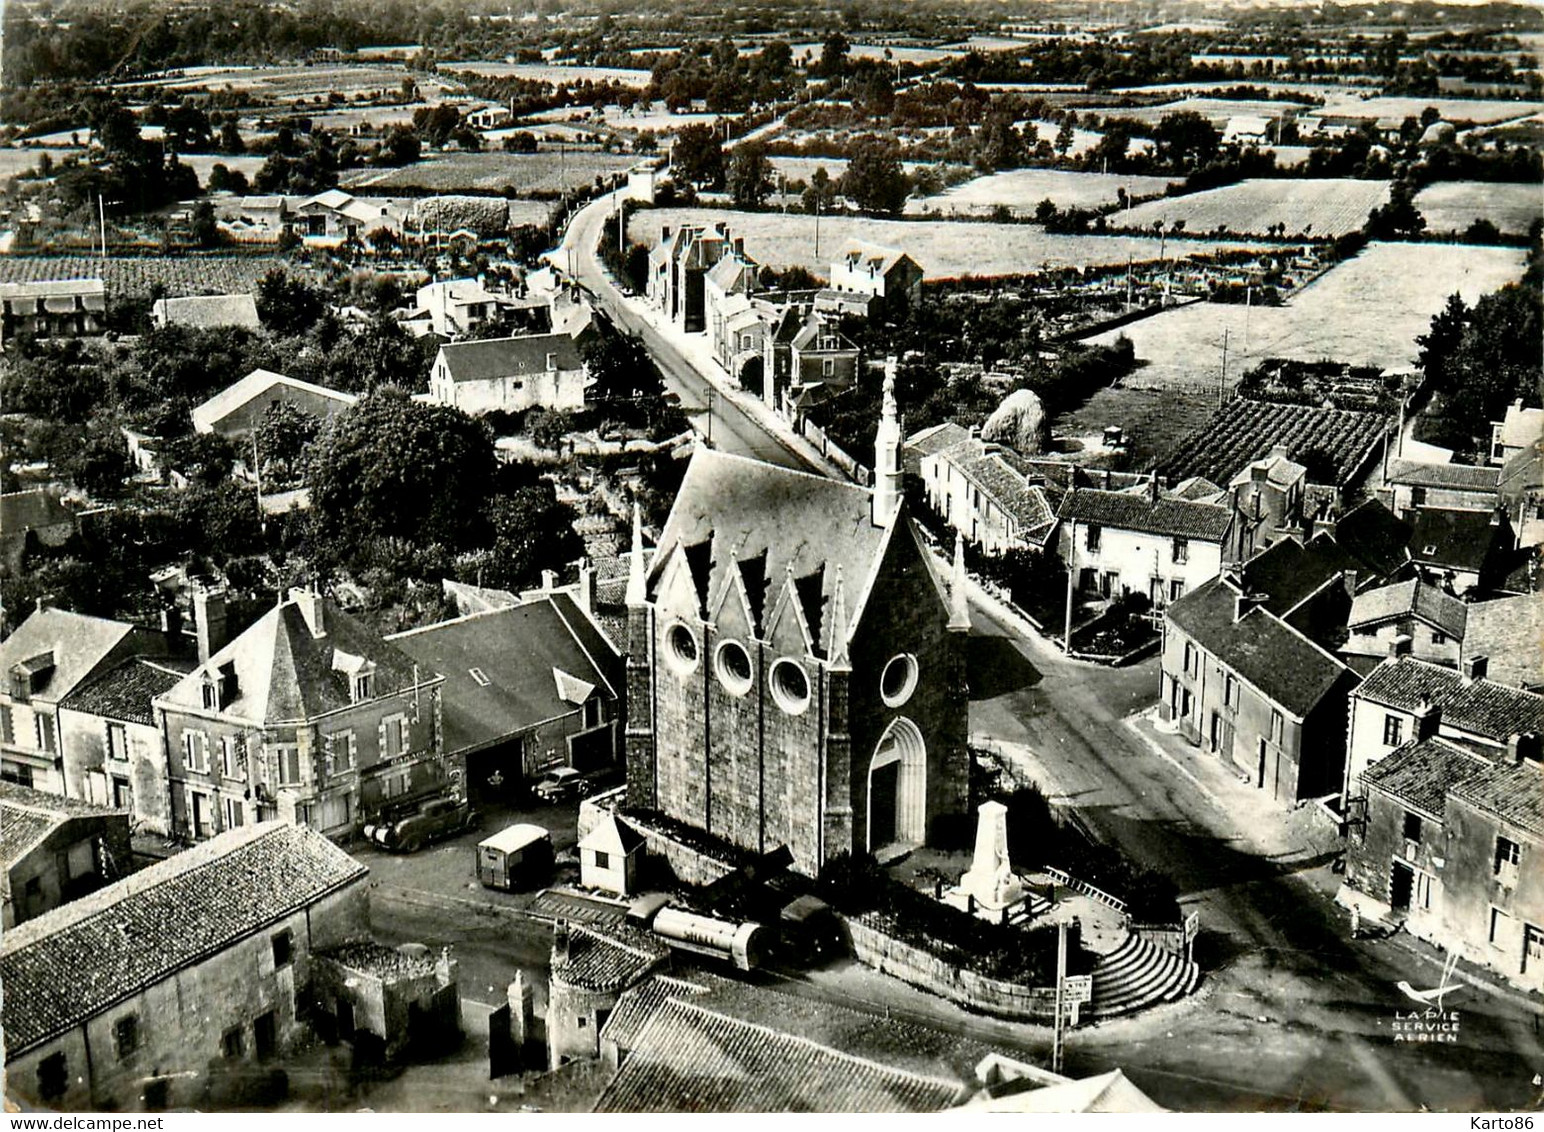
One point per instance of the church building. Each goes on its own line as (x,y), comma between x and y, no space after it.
(796,662)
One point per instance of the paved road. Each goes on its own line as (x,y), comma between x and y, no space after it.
(730,430)
(1294,1014)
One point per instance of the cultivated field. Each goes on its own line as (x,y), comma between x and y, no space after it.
(1083,140)
(1243,431)
(1023,189)
(14,161)
(172,276)
(556,74)
(493,172)
(202,163)
(287,84)
(1215,110)
(1366,311)
(1451,206)
(1478,110)
(946,249)
(1328,207)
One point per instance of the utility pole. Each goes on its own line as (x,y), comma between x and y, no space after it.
(102,222)
(1058,1037)
(1072,552)
(817,227)
(1222,386)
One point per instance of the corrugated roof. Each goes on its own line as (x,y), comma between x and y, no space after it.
(1137,511)
(124,691)
(1480,707)
(79,959)
(1262,650)
(1420,774)
(495,358)
(1514,792)
(1411,598)
(692,1059)
(517,650)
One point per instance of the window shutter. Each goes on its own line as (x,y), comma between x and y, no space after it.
(381,740)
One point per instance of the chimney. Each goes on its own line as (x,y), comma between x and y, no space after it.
(44,601)
(560,940)
(664,234)
(1259,472)
(1350,576)
(1475,668)
(585,595)
(171,628)
(1104,478)
(310,605)
(549,581)
(552,362)
(739,246)
(445,969)
(1153,488)
(1243,602)
(1522,747)
(522,1012)
(209,620)
(1400,645)
(1427,717)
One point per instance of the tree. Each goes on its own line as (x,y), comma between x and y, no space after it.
(875,180)
(400,146)
(206,233)
(619,366)
(100,463)
(203,457)
(698,156)
(287,304)
(392,467)
(1065,137)
(187,129)
(532,531)
(521,141)
(750,176)
(283,437)
(833,56)
(223,179)
(1186,139)
(230,137)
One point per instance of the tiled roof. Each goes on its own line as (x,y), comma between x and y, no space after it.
(1136,511)
(1414,597)
(1262,650)
(1420,774)
(637,1007)
(77,644)
(27,816)
(259,384)
(79,959)
(1480,707)
(1458,540)
(1509,633)
(494,358)
(1375,537)
(209,311)
(1454,477)
(379,960)
(1512,791)
(124,692)
(612,958)
(692,1059)
(285,673)
(515,651)
(32,510)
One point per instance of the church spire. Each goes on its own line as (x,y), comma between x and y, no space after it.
(637,592)
(838,650)
(959,604)
(887,454)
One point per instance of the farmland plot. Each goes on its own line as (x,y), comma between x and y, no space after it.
(946,249)
(553,73)
(525,173)
(1022,189)
(14,161)
(1366,311)
(1328,207)
(140,276)
(203,163)
(1215,110)
(1480,111)
(1451,206)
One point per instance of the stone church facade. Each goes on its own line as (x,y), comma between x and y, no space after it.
(796,665)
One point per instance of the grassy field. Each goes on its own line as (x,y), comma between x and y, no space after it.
(1022,189)
(1477,110)
(493,172)
(946,249)
(286,84)
(556,74)
(202,163)
(142,275)
(1215,110)
(14,161)
(1366,311)
(1451,206)
(1312,207)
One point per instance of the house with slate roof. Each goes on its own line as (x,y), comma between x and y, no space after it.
(1509,633)
(238,408)
(795,662)
(1405,698)
(1518,431)
(678,269)
(53,652)
(54,850)
(114,752)
(453,308)
(1447,840)
(1460,550)
(1521,488)
(1143,540)
(994,497)
(1410,618)
(308,716)
(1248,688)
(509,374)
(207,312)
(528,687)
(1268,498)
(121,1000)
(885,274)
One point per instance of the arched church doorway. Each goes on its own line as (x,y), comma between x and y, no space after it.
(897,788)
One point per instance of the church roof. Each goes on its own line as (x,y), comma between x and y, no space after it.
(774,522)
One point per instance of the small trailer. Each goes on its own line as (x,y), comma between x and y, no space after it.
(516,857)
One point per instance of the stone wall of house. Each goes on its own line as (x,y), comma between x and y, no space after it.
(1485,914)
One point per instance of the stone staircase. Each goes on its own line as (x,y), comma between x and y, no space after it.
(1139,974)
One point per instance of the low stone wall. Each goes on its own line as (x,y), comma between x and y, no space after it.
(1167,937)
(890,956)
(690,865)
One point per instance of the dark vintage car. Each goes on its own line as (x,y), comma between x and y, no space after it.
(562,784)
(440,818)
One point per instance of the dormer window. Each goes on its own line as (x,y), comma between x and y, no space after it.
(364,686)
(211,694)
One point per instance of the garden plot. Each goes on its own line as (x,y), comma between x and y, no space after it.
(524,173)
(291,84)
(1366,311)
(556,74)
(1022,189)
(1451,206)
(1327,207)
(146,276)
(945,249)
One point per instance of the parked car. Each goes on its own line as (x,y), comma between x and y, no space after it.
(562,784)
(432,821)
